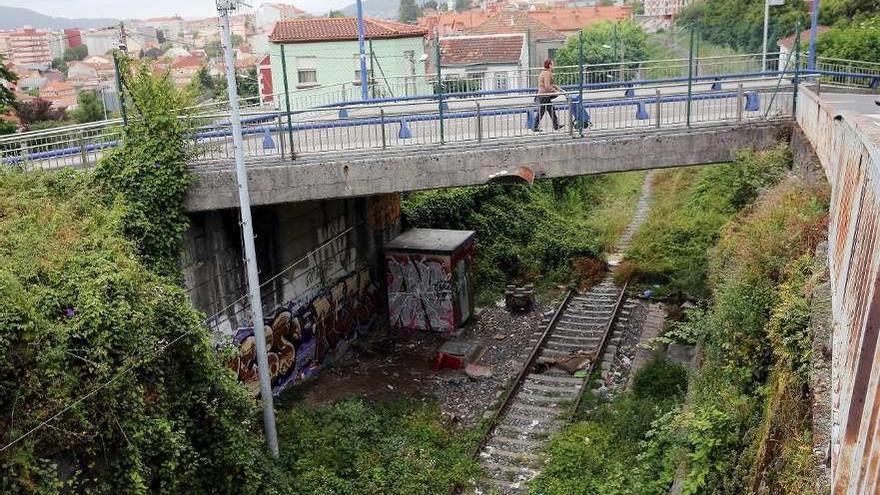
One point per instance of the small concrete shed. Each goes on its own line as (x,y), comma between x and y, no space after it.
(430,279)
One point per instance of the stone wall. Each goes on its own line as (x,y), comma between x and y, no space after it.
(847,147)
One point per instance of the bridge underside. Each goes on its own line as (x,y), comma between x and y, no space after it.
(356,174)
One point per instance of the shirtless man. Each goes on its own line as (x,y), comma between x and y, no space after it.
(546,92)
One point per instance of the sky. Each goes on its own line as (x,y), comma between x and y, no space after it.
(130,9)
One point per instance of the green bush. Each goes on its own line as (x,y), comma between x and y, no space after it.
(660,380)
(689,209)
(352,448)
(531,234)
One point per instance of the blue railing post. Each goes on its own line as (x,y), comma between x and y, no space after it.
(797,65)
(580,108)
(439,87)
(690,77)
(287,102)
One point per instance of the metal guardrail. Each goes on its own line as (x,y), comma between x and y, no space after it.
(478,116)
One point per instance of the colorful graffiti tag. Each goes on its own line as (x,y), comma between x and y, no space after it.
(308,332)
(420,292)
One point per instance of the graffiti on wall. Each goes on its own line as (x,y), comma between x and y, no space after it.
(420,292)
(308,332)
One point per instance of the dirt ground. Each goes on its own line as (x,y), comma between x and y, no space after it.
(401,366)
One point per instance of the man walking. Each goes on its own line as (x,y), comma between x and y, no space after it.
(547,91)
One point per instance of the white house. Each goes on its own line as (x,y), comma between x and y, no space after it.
(484,62)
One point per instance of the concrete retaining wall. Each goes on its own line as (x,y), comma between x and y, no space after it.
(847,146)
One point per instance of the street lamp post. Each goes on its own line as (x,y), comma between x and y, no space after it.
(247,230)
(767,4)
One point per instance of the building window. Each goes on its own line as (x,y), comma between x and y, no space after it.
(307,70)
(501,80)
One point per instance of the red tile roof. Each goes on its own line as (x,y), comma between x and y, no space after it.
(340,29)
(191,62)
(488,49)
(788,42)
(577,18)
(453,22)
(517,22)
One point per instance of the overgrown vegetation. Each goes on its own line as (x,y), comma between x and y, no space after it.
(600,453)
(691,206)
(353,448)
(149,171)
(531,234)
(746,425)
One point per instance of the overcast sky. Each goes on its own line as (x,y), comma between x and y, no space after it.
(128,9)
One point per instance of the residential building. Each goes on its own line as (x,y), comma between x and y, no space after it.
(30,47)
(73,37)
(664,8)
(321,56)
(543,41)
(485,62)
(184,69)
(270,13)
(61,94)
(569,21)
(170,27)
(453,23)
(101,41)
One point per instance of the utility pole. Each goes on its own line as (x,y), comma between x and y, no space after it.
(247,230)
(363,56)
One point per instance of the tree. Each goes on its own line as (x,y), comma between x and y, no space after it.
(36,111)
(461,5)
(60,65)
(7,97)
(335,13)
(215,48)
(90,107)
(604,43)
(409,11)
(738,24)
(75,53)
(841,11)
(859,40)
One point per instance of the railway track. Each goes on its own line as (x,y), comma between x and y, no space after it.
(543,398)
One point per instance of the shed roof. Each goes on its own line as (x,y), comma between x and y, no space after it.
(430,240)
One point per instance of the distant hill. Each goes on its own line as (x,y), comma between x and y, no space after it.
(16,17)
(383,9)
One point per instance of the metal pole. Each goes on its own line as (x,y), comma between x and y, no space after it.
(766,34)
(247,229)
(287,102)
(479,124)
(372,58)
(690,77)
(119,91)
(439,87)
(797,66)
(657,110)
(580,108)
(814,26)
(739,103)
(363,56)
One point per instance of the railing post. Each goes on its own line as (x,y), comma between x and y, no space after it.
(82,150)
(479,124)
(439,88)
(382,123)
(287,102)
(579,109)
(690,77)
(739,103)
(657,110)
(797,66)
(280,125)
